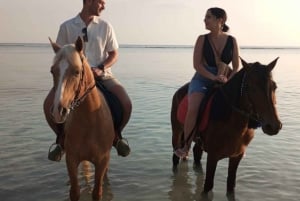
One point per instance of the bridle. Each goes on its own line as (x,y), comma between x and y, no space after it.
(79,99)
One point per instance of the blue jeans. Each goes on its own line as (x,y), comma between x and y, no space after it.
(201,84)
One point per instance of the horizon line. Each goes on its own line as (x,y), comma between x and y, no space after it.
(160,46)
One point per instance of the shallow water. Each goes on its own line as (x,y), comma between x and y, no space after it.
(270,170)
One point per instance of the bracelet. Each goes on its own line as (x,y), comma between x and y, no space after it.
(101,67)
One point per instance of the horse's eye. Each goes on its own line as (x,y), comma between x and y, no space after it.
(76,72)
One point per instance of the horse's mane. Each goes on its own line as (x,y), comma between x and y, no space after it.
(220,109)
(70,53)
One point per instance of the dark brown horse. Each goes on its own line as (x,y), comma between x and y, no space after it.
(237,108)
(88,124)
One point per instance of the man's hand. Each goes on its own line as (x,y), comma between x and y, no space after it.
(97,72)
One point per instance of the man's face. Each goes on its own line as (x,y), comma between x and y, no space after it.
(97,6)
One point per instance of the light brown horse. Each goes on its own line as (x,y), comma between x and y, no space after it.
(237,107)
(89,129)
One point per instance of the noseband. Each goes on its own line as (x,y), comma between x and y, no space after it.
(78,100)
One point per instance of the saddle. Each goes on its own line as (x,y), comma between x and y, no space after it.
(113,103)
(204,110)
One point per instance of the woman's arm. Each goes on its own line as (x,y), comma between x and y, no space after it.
(235,58)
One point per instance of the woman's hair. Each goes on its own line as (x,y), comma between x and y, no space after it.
(220,13)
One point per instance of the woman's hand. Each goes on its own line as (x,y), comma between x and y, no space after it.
(221,78)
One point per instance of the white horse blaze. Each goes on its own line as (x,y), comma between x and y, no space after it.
(63,65)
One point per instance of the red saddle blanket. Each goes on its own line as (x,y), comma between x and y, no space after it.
(182,110)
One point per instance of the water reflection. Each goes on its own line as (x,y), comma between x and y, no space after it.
(186,185)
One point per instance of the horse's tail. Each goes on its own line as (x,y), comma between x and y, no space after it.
(177,127)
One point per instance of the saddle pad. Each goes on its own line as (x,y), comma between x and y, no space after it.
(182,110)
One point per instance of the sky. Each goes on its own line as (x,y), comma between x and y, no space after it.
(157,22)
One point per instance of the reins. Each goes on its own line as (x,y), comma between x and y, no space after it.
(236,108)
(78,100)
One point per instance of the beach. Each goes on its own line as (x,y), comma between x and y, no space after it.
(151,75)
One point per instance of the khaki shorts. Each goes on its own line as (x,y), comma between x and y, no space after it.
(109,81)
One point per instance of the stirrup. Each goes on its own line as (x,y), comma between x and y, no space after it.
(58,155)
(125,149)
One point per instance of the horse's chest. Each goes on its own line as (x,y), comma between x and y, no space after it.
(229,143)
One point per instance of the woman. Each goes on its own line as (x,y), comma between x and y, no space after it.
(210,52)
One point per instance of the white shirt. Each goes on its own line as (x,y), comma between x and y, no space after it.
(100,34)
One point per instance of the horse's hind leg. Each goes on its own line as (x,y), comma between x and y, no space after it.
(72,167)
(100,171)
(232,168)
(197,151)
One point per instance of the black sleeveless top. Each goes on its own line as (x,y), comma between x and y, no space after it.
(209,55)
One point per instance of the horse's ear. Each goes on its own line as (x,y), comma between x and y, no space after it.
(79,44)
(55,46)
(244,63)
(272,64)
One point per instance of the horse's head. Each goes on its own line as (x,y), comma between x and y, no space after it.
(259,90)
(71,73)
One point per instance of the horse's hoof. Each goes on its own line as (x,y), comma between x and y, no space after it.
(198,167)
(230,195)
(207,188)
(175,160)
(204,194)
(197,163)
(175,169)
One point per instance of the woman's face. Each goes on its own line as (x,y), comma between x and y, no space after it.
(211,22)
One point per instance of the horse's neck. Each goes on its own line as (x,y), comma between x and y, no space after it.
(89,89)
(87,109)
(93,99)
(232,89)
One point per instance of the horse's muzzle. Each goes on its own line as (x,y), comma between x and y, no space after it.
(272,129)
(59,114)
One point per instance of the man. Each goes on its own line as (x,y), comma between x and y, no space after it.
(101,50)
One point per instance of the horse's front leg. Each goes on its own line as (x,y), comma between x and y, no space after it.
(232,169)
(100,171)
(72,166)
(211,166)
(197,151)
